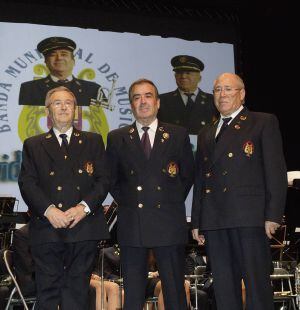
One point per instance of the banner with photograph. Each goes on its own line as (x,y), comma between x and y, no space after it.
(112,60)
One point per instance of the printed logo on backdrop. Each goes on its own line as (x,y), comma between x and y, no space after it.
(108,110)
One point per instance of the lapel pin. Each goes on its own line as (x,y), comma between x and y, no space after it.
(166,135)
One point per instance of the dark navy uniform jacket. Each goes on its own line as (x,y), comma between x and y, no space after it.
(241,181)
(173,110)
(47,178)
(151,193)
(34,92)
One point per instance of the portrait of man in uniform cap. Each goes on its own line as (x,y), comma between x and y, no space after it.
(187,106)
(59,59)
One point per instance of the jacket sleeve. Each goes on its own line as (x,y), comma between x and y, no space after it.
(99,190)
(36,200)
(197,189)
(112,159)
(274,170)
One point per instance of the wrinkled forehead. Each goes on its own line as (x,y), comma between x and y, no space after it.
(227,80)
(62,95)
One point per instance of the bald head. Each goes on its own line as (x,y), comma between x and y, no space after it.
(229,93)
(234,78)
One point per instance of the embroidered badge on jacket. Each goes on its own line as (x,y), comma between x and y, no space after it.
(248,148)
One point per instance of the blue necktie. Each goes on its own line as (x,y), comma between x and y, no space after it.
(64,144)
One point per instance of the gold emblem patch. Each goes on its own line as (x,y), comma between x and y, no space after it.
(183,59)
(131,130)
(172,169)
(248,148)
(89,168)
(166,135)
(243,117)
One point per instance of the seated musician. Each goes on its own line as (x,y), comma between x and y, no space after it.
(153,286)
(195,265)
(113,294)
(110,276)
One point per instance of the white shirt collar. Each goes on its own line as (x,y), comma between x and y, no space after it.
(184,96)
(68,133)
(152,126)
(56,79)
(233,115)
(151,130)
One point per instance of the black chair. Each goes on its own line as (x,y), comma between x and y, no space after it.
(16,297)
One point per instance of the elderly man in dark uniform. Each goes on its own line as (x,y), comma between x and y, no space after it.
(188,105)
(63,180)
(151,174)
(239,196)
(59,59)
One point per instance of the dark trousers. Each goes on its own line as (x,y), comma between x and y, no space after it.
(236,254)
(62,273)
(170,262)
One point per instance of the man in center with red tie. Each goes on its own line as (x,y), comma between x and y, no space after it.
(152,167)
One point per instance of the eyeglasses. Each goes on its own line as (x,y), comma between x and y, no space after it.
(226,90)
(59,103)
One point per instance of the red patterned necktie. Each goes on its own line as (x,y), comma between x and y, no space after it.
(146,142)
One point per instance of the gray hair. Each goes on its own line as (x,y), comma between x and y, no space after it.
(57,89)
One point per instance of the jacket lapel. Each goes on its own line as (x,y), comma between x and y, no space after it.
(230,135)
(77,143)
(52,147)
(133,141)
(161,141)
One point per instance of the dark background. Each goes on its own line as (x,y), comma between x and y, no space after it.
(261,32)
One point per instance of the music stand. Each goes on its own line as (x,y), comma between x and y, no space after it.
(7,205)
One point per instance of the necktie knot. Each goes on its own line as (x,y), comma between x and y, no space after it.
(190,101)
(189,95)
(225,120)
(63,137)
(64,81)
(145,128)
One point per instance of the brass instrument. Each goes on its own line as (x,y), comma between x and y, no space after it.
(104,97)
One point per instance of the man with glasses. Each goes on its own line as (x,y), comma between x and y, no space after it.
(63,181)
(239,196)
(188,105)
